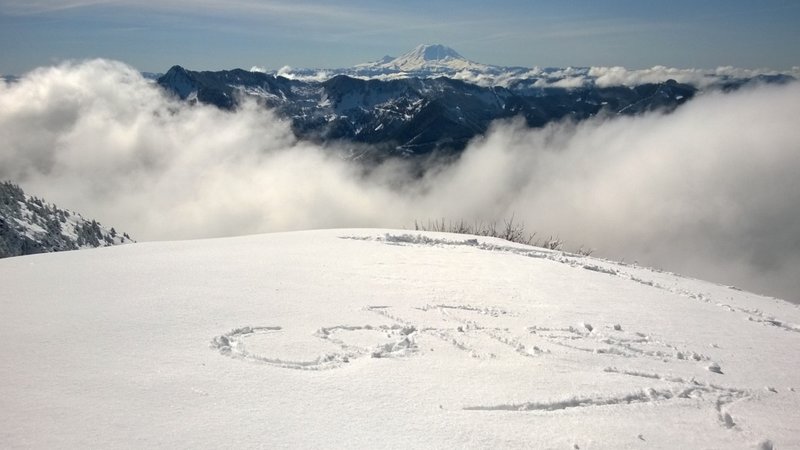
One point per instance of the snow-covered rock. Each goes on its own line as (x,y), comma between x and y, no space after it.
(385,338)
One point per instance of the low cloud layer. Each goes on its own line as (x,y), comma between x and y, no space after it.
(711,190)
(701,78)
(569,77)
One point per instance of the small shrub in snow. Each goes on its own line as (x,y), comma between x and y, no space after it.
(511,230)
(553,243)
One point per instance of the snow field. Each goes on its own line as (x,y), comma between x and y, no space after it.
(381,338)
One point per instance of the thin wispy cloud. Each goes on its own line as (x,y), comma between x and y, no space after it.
(310,21)
(32,7)
(335,15)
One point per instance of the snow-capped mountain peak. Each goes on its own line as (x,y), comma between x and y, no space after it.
(434,52)
(432,57)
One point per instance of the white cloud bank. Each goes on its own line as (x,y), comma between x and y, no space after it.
(701,78)
(567,78)
(711,190)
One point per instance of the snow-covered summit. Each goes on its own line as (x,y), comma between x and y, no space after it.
(432,52)
(425,57)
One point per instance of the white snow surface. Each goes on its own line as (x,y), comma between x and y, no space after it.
(385,338)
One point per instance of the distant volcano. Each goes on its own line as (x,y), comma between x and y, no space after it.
(422,57)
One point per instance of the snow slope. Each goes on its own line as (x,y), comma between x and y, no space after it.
(378,338)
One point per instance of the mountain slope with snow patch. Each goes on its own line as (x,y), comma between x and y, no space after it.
(31,225)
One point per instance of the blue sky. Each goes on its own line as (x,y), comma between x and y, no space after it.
(218,34)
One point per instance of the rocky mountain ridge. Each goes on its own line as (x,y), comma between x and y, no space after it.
(30,225)
(412,116)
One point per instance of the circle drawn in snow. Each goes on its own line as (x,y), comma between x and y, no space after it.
(381,342)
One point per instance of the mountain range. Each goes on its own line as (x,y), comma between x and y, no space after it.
(430,61)
(418,106)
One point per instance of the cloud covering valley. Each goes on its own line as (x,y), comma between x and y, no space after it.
(711,190)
